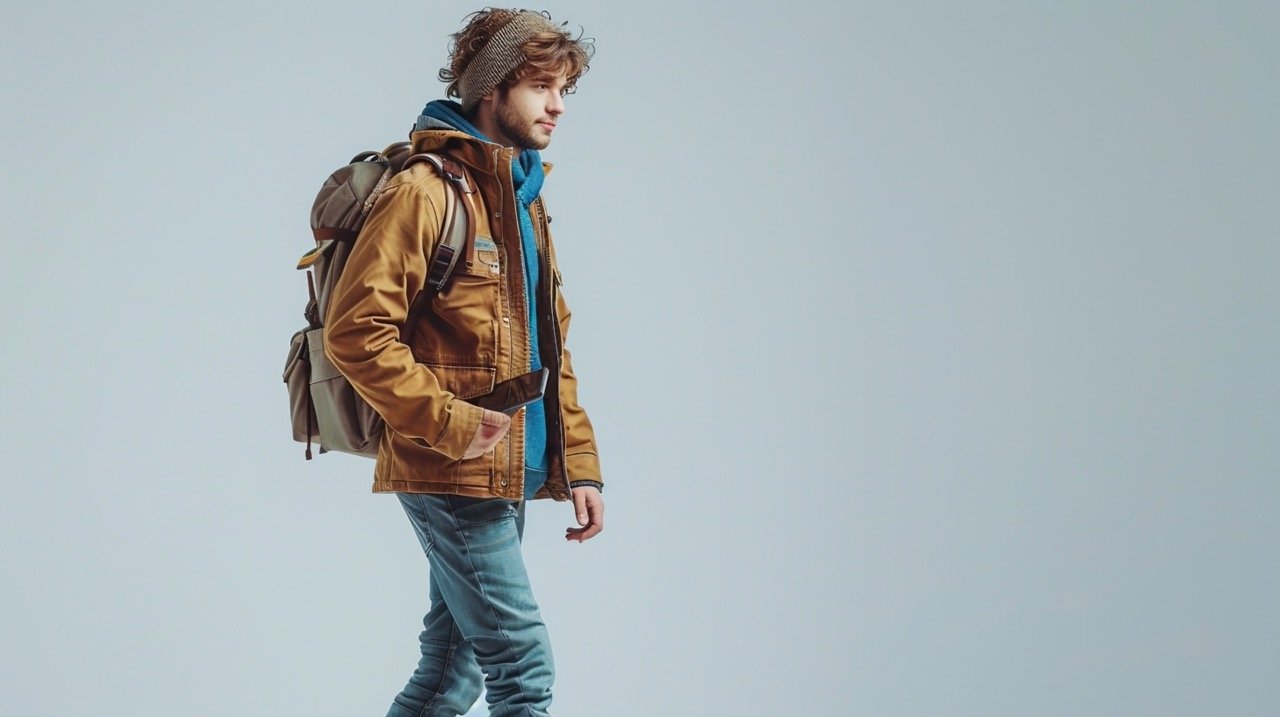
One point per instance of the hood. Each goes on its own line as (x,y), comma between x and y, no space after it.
(443,128)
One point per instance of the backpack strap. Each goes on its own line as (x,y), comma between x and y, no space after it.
(458,231)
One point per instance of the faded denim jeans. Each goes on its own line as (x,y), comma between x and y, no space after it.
(483,631)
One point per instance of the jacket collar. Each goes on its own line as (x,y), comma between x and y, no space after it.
(478,155)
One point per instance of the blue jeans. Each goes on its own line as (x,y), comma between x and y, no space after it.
(483,617)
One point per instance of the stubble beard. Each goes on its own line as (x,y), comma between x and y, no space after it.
(517,130)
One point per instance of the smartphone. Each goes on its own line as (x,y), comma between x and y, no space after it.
(513,394)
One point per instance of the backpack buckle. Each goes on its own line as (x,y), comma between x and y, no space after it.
(455,173)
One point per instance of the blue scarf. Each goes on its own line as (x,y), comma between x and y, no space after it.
(527,177)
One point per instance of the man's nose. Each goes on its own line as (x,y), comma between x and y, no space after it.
(556,106)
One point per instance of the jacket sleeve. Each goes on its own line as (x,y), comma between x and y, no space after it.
(370,301)
(582,461)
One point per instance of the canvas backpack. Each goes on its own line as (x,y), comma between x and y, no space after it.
(324,406)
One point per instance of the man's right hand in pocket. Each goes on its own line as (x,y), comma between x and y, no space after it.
(493,426)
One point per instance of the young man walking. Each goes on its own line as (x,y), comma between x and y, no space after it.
(463,473)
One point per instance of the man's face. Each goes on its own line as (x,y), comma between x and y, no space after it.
(526,113)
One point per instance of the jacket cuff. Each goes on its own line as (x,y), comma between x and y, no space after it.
(586,484)
(583,467)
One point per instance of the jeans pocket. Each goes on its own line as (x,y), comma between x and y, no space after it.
(472,512)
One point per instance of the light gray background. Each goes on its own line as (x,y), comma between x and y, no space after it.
(931,348)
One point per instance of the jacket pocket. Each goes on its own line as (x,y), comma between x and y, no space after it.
(463,381)
(472,289)
(457,337)
(412,461)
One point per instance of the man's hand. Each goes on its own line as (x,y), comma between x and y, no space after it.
(589,505)
(493,426)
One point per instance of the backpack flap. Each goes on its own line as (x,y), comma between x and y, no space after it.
(306,261)
(349,193)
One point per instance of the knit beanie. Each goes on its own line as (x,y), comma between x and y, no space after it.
(499,56)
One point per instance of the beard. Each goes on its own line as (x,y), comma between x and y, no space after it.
(522,132)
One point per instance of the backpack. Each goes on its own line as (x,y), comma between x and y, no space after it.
(324,406)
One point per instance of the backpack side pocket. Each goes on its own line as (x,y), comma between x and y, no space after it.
(297,380)
(345,421)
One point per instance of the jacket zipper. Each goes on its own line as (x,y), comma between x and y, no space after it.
(517,298)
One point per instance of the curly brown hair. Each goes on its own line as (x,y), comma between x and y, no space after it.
(546,52)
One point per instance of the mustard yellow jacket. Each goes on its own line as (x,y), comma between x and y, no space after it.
(474,335)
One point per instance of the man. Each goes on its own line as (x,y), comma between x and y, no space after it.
(463,473)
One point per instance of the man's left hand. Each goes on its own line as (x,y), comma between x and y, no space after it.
(589,505)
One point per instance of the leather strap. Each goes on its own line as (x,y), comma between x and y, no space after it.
(337,233)
(458,231)
(458,175)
